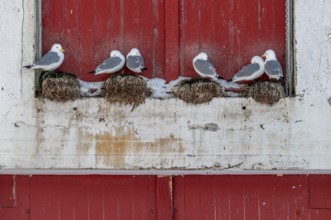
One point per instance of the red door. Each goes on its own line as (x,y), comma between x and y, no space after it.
(169,33)
(164,198)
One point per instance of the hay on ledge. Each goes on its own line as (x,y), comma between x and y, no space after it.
(267,92)
(59,87)
(198,91)
(126,89)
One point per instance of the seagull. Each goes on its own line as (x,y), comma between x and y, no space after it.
(204,67)
(51,60)
(135,62)
(272,67)
(112,64)
(250,72)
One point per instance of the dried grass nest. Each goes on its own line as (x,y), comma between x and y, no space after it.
(59,86)
(267,92)
(126,89)
(198,91)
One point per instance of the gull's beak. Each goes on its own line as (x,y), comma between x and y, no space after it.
(264,56)
(62,50)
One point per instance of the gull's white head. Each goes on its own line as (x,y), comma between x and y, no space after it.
(115,53)
(257,59)
(201,56)
(57,48)
(134,52)
(269,55)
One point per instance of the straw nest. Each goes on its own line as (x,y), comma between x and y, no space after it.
(198,91)
(126,89)
(267,92)
(59,87)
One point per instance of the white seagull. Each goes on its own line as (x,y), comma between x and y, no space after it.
(272,67)
(51,60)
(204,67)
(112,64)
(250,72)
(134,61)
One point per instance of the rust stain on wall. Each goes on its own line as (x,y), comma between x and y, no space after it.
(84,141)
(112,147)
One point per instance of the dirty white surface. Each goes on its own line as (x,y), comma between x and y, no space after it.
(232,134)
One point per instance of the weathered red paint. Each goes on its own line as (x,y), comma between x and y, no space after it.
(320,192)
(168,33)
(88,30)
(246,197)
(180,197)
(20,209)
(231,32)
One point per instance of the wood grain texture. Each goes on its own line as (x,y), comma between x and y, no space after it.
(167,33)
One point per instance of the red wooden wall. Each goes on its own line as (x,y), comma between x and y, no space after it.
(169,33)
(264,197)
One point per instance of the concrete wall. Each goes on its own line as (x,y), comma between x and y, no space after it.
(90,134)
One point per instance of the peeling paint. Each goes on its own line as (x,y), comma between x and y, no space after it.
(14,190)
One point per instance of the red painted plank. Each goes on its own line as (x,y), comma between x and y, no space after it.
(44,200)
(189,35)
(320,191)
(21,210)
(116,26)
(147,41)
(87,40)
(7,191)
(231,32)
(171,40)
(70,44)
(165,198)
(101,35)
(244,197)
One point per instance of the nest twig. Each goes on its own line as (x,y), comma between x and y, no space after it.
(59,87)
(267,92)
(126,89)
(198,91)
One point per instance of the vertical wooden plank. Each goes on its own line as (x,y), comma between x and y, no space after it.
(157,56)
(251,203)
(81,191)
(22,191)
(71,43)
(320,191)
(236,202)
(66,195)
(131,25)
(164,195)
(101,49)
(171,39)
(87,41)
(7,191)
(179,197)
(55,18)
(148,35)
(44,197)
(265,186)
(221,23)
(189,35)
(234,37)
(116,25)
(207,194)
(152,197)
(96,196)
